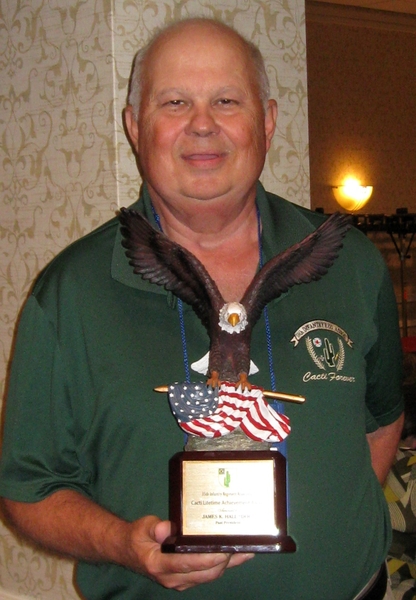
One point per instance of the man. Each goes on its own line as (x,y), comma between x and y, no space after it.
(87,443)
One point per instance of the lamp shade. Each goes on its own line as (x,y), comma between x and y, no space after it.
(352,195)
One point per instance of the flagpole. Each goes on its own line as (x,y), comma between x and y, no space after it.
(266,393)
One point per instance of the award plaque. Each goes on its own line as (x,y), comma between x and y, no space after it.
(228,501)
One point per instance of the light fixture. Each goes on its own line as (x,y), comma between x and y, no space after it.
(351,195)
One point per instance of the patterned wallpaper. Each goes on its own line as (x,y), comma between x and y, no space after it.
(65,165)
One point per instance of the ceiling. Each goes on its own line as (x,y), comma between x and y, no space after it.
(401,6)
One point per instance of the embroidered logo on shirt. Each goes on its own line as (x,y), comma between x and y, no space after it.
(326,344)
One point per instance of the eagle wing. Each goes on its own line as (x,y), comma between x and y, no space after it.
(309,260)
(161,261)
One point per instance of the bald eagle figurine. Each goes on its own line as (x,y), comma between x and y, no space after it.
(229,324)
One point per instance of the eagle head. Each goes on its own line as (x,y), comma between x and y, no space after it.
(233,317)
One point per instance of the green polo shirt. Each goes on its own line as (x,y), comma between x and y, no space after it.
(94,340)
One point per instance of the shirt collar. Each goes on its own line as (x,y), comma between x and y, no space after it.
(283,224)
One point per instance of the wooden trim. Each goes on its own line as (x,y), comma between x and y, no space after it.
(355,16)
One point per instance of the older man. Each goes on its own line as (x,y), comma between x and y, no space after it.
(87,444)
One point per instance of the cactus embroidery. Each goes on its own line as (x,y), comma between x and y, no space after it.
(329,354)
(334,360)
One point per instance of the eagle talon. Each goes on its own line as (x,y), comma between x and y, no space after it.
(243,383)
(214,380)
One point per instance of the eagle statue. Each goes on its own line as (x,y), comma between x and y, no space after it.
(229,324)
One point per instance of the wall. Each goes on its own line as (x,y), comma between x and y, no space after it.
(362,102)
(362,105)
(65,166)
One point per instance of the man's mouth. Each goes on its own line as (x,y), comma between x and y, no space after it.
(204,158)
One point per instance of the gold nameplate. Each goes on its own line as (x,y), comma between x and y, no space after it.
(228,501)
(228,497)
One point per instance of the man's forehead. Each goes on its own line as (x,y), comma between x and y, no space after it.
(199,28)
(213,37)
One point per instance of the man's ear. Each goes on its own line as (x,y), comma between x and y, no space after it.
(270,122)
(132,127)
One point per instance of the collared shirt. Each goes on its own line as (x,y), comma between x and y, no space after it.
(95,339)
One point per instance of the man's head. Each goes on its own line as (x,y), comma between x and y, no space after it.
(203,125)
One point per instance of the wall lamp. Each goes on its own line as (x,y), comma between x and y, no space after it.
(352,195)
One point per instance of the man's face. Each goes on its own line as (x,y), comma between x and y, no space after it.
(202,133)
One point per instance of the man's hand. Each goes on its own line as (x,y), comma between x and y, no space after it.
(71,524)
(175,571)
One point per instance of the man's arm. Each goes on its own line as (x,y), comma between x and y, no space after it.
(383,446)
(71,524)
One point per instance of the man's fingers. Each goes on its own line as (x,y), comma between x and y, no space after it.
(190,570)
(239,559)
(178,571)
(162,530)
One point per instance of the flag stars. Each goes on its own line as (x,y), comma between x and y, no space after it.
(188,400)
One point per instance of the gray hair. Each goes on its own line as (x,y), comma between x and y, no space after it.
(134,97)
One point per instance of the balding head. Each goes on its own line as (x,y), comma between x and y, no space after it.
(215,29)
(201,130)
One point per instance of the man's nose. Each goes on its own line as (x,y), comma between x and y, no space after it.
(202,121)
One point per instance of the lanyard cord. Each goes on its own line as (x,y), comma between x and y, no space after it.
(277,406)
(180,313)
(265,311)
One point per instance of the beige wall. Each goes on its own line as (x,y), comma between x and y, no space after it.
(65,166)
(362,106)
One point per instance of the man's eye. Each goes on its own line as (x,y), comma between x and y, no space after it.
(175,102)
(226,101)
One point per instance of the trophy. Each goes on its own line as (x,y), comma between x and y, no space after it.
(228,491)
(227,488)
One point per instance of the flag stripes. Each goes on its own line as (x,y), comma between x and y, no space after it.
(202,412)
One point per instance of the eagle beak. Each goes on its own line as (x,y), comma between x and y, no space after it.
(233,319)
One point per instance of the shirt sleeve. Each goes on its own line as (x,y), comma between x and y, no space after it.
(39,453)
(384,398)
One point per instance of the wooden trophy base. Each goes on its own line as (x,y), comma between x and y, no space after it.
(228,501)
(229,544)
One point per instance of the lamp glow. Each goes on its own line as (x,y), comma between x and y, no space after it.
(352,195)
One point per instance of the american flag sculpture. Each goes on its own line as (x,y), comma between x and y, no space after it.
(211,413)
